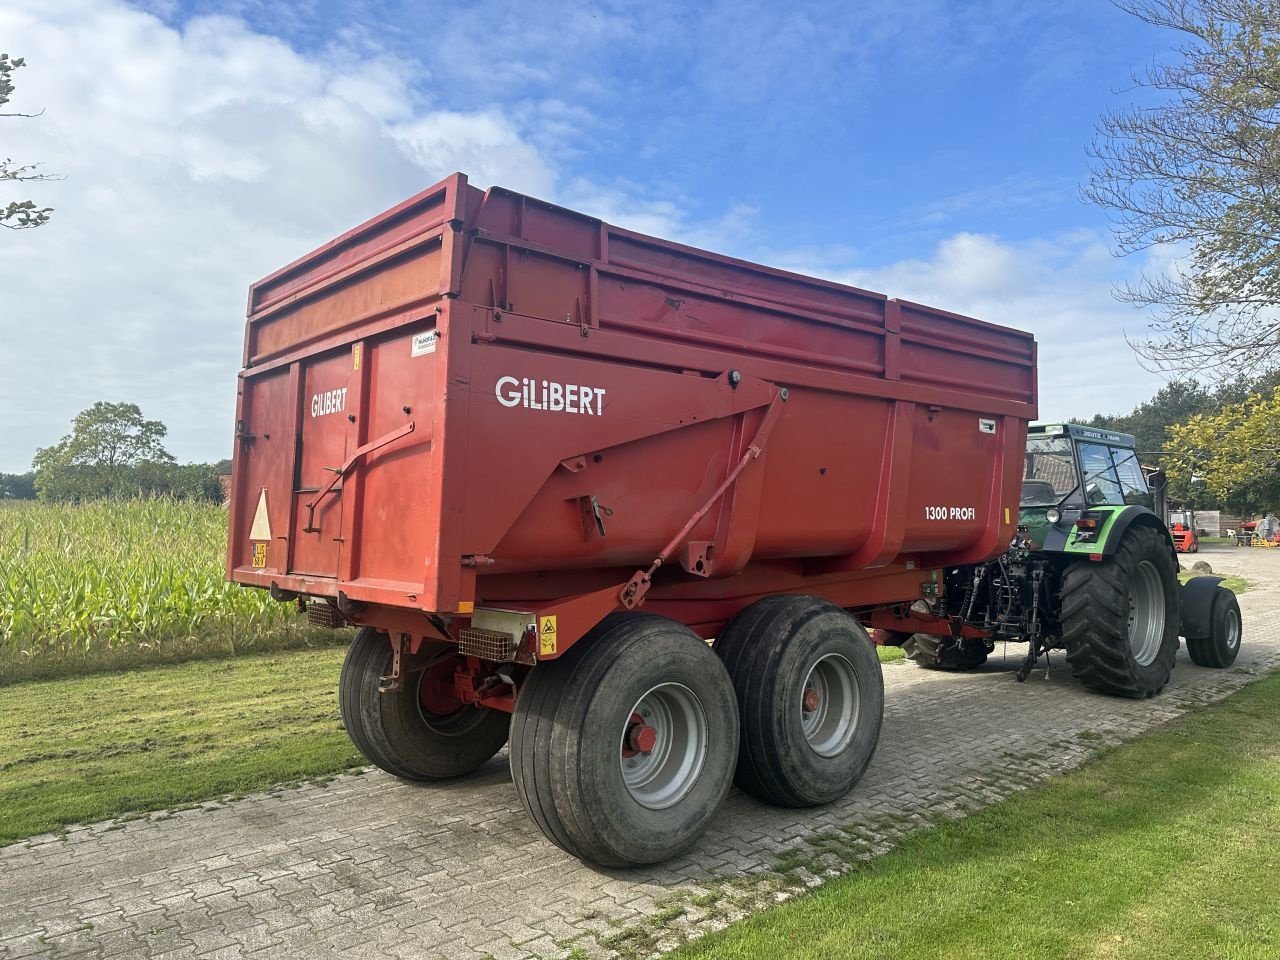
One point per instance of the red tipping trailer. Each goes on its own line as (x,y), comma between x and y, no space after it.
(534,454)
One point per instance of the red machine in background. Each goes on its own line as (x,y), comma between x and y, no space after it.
(1182,527)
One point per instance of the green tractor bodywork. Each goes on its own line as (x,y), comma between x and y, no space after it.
(1082,489)
(1092,571)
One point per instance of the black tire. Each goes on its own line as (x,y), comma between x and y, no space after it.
(570,729)
(1096,610)
(1222,646)
(928,651)
(778,651)
(396,732)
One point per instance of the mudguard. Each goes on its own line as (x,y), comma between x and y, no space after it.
(1197,597)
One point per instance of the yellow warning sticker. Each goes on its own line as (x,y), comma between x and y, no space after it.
(546,636)
(355,356)
(259,554)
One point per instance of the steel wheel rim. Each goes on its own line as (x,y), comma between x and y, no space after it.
(829,705)
(1146,613)
(663,777)
(1233,629)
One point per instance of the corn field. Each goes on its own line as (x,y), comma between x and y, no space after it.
(124,581)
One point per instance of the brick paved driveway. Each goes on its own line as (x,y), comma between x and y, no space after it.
(369,866)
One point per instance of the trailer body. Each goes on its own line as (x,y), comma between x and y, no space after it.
(480,400)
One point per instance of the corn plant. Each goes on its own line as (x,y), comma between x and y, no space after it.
(78,581)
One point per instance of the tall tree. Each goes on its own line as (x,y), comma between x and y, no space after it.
(1197,166)
(1234,448)
(18,214)
(98,458)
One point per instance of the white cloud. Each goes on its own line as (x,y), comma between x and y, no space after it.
(195,161)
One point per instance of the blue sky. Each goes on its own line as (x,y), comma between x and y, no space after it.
(929,150)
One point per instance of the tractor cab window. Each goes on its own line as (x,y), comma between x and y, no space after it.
(1132,483)
(1049,473)
(1101,481)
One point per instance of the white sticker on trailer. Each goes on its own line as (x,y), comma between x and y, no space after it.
(261,528)
(423,343)
(986,426)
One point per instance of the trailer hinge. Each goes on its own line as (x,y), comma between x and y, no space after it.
(477,560)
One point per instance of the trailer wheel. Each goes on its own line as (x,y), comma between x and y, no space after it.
(421,731)
(810,697)
(1120,617)
(1221,647)
(623,748)
(927,651)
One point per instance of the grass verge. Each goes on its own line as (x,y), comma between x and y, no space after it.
(890,654)
(75,751)
(1163,847)
(1236,585)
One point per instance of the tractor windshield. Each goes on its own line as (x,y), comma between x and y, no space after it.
(1049,473)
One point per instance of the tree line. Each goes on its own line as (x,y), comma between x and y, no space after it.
(113,452)
(1220,446)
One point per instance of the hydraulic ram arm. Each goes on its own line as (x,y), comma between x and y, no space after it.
(632,594)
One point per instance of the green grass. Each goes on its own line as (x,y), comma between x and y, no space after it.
(890,654)
(1217,539)
(1236,585)
(112,584)
(1164,847)
(85,749)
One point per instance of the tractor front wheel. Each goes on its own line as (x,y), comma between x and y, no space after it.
(942,653)
(1120,617)
(1221,647)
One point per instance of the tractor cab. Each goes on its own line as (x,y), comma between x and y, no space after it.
(1075,478)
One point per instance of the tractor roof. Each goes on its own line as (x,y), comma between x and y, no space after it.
(1080,432)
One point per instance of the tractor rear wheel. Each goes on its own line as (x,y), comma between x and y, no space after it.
(1120,617)
(810,697)
(937,653)
(1221,647)
(420,731)
(622,749)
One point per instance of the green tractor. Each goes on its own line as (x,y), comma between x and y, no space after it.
(1092,571)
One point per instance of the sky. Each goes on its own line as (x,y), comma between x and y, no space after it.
(925,149)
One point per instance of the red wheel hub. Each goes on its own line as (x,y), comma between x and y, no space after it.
(437,693)
(640,738)
(810,701)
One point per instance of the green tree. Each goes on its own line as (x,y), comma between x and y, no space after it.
(108,443)
(18,214)
(1234,448)
(17,486)
(1197,165)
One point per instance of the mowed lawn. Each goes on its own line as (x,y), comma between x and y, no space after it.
(79,750)
(1166,847)
(89,748)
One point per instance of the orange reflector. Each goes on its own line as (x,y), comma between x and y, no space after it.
(1086,523)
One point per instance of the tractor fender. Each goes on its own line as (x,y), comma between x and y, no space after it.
(1135,516)
(1198,595)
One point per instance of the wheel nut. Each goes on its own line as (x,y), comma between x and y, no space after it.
(643,738)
